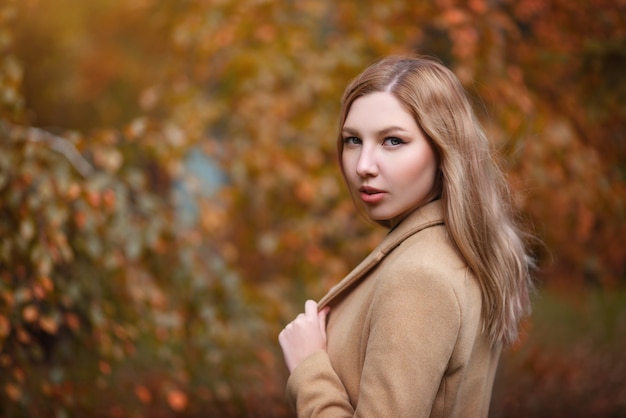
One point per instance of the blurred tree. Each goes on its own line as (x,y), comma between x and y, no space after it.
(183,199)
(571,55)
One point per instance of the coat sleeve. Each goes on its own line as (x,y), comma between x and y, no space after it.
(315,390)
(414,322)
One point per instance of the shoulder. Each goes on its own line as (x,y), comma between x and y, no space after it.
(427,268)
(416,292)
(429,252)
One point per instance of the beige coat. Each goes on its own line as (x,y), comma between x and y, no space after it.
(404,334)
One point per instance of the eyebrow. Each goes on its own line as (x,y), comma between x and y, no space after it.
(351,131)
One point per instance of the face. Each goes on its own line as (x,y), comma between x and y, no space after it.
(388,162)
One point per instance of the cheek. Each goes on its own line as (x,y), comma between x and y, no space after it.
(420,179)
(420,173)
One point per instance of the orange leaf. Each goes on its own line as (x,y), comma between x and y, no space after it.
(105,368)
(49,324)
(177,400)
(72,321)
(143,394)
(5,327)
(30,313)
(13,391)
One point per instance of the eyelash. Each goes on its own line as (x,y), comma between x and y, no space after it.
(393,138)
(352,140)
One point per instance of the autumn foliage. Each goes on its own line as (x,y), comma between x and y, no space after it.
(169,195)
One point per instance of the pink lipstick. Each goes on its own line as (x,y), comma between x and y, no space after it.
(371,195)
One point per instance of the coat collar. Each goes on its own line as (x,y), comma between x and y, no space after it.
(428,215)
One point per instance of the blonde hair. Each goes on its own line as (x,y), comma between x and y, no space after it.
(476,199)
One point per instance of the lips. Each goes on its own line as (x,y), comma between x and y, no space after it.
(371,194)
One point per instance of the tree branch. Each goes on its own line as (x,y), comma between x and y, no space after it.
(56,143)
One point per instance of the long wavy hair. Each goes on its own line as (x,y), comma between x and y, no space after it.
(476,199)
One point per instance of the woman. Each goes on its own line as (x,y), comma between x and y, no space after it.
(416,329)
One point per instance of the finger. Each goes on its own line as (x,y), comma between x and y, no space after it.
(323,314)
(310,309)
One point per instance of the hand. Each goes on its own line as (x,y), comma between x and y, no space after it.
(304,335)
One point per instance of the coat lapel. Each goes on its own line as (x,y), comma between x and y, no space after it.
(424,217)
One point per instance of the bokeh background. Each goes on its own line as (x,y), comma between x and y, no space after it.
(169,195)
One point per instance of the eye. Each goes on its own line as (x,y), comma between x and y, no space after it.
(393,141)
(351,140)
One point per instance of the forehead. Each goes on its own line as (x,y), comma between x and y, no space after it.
(377,111)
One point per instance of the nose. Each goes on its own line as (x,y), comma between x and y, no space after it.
(366,165)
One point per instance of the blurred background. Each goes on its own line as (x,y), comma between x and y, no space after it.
(169,195)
